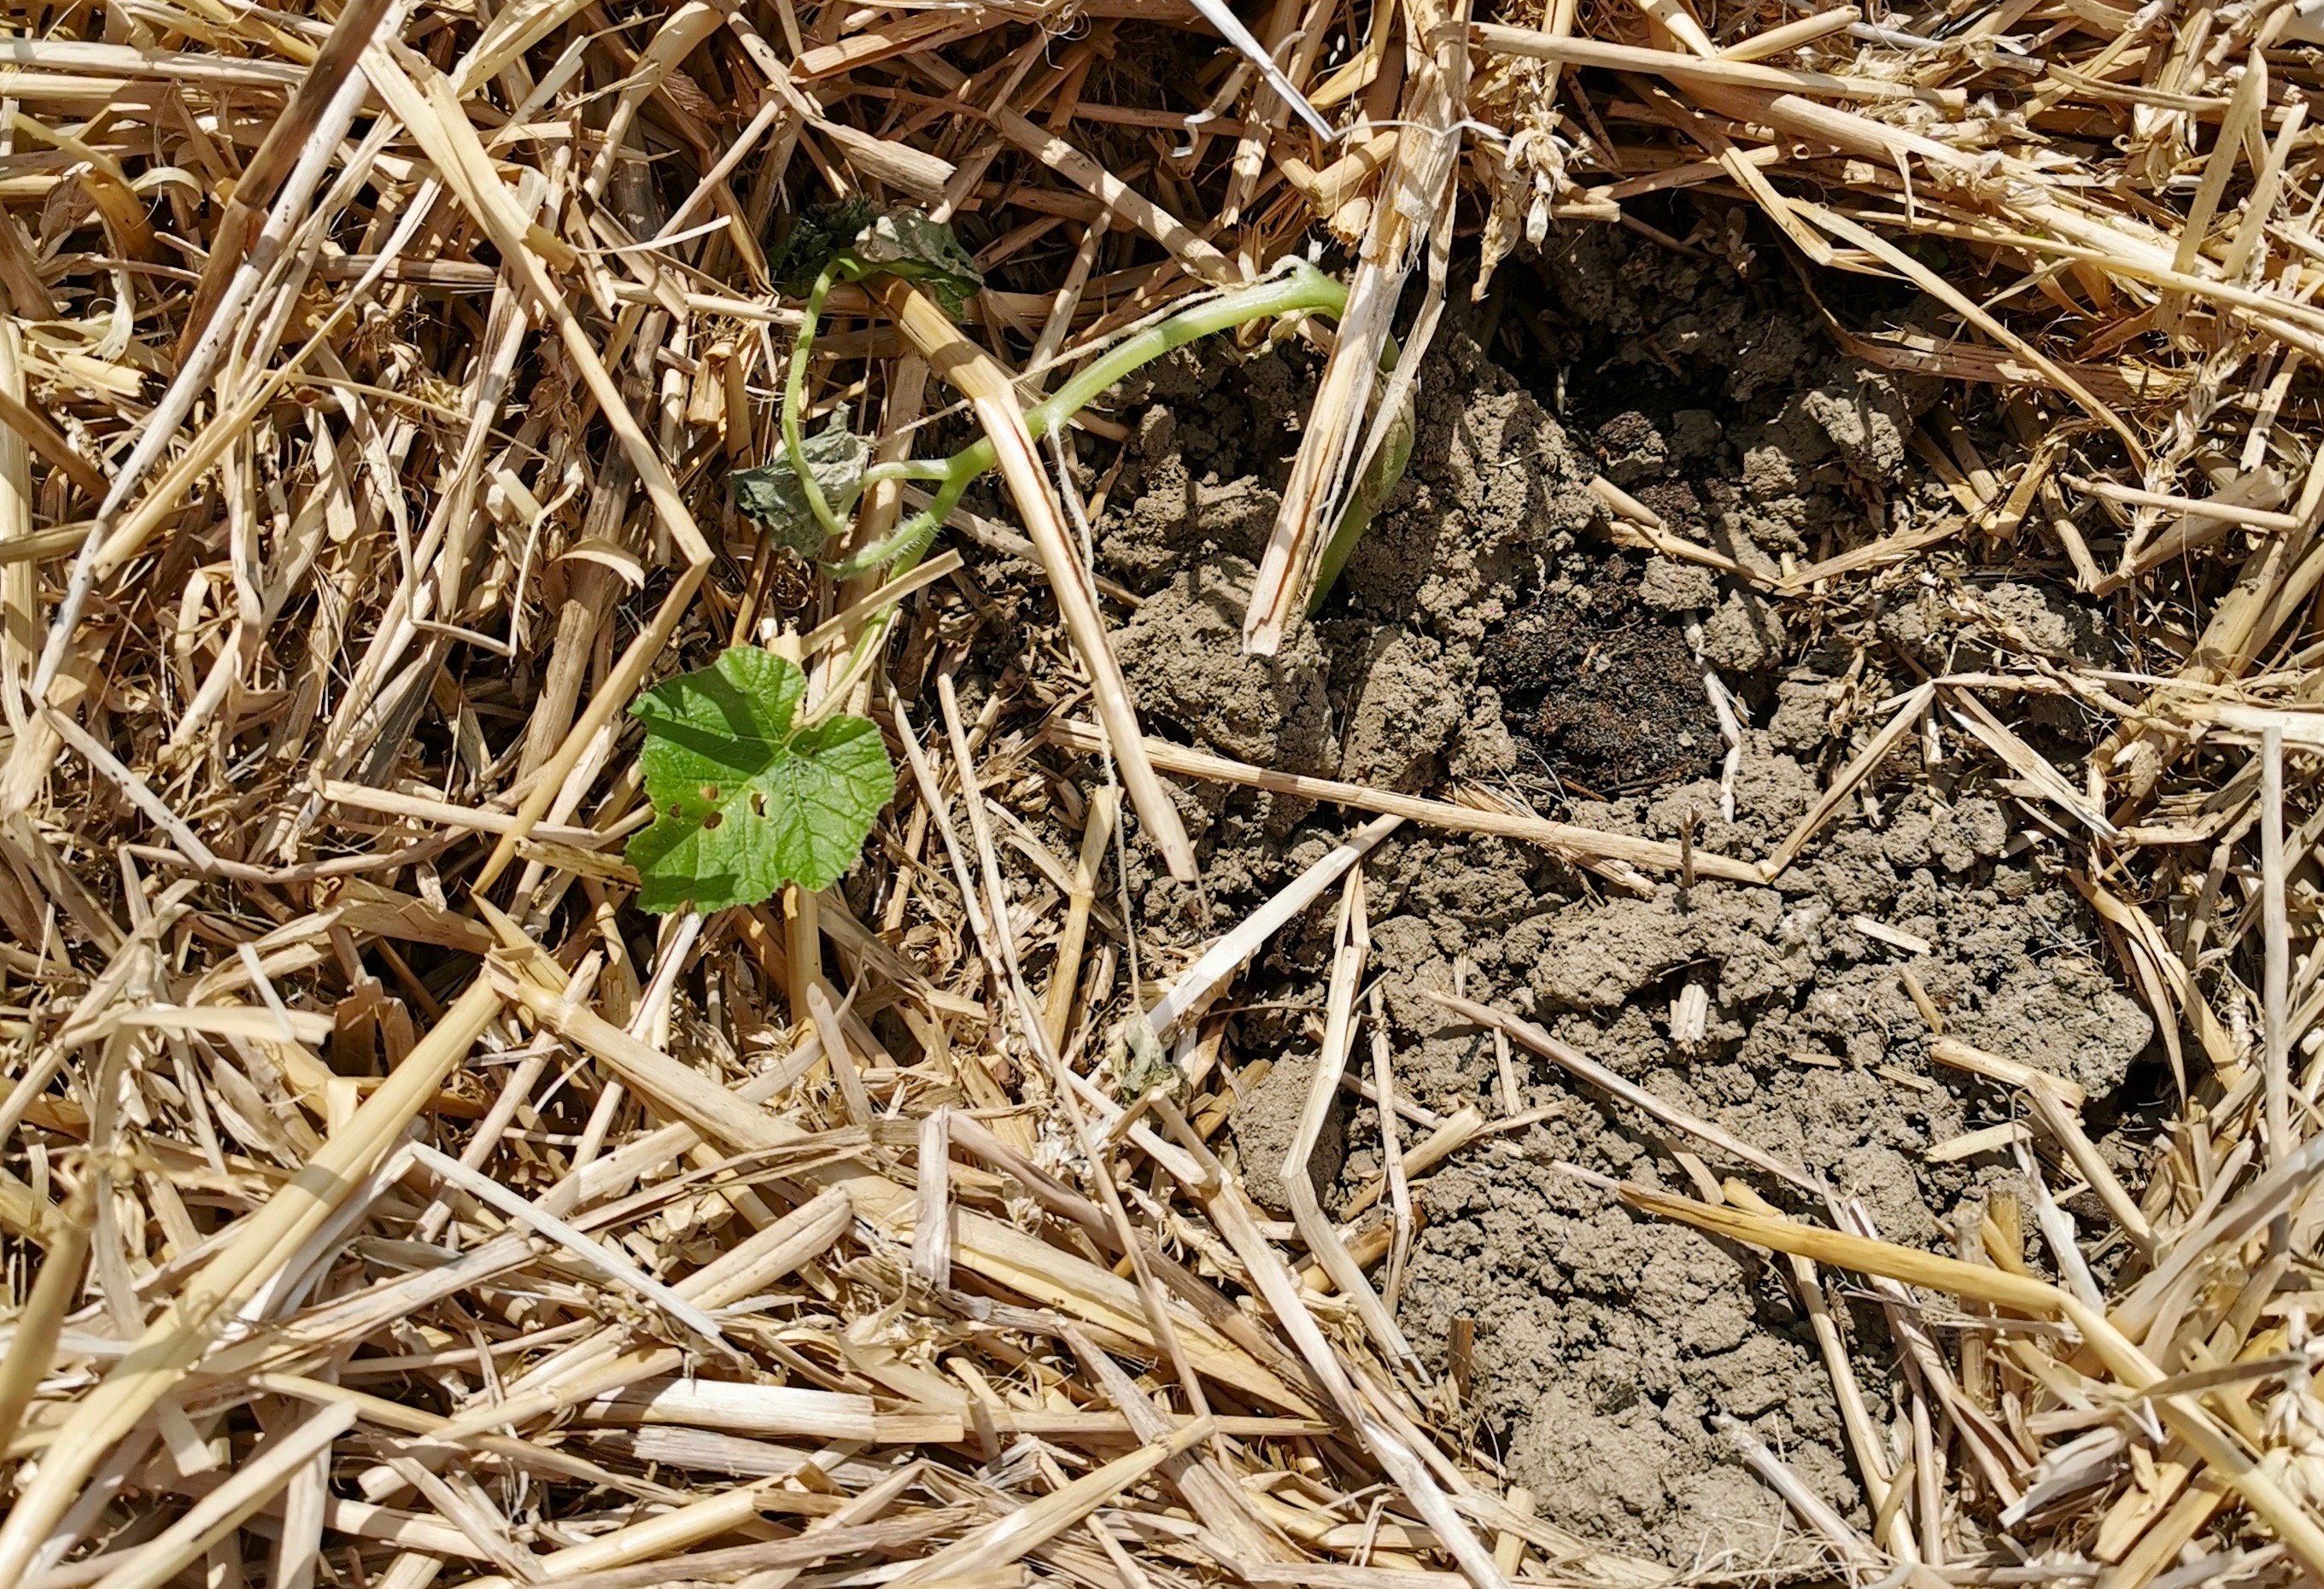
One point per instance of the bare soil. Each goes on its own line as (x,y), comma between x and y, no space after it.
(1486,630)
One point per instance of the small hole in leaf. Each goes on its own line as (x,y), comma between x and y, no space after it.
(757,804)
(710,793)
(675,809)
(710,819)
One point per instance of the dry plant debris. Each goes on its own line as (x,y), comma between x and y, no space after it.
(359,367)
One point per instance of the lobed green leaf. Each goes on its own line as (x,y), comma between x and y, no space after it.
(744,802)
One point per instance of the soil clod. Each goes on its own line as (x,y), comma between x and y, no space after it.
(1605,689)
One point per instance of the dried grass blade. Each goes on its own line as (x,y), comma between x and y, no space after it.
(2292,1520)
(1576,845)
(1193,989)
(217,1514)
(1000,1252)
(1322,1095)
(261,1243)
(960,362)
(1010,1538)
(617,1269)
(1582,1065)
(1719,70)
(773,1555)
(1929,281)
(44,1315)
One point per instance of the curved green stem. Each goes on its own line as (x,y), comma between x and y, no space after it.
(906,469)
(1300,288)
(938,469)
(913,538)
(793,398)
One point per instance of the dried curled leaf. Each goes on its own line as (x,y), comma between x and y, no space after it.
(771,496)
(906,244)
(745,802)
(856,239)
(817,237)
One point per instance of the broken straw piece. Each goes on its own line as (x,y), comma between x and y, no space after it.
(1201,982)
(1219,16)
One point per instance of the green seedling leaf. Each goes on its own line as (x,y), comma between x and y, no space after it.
(856,239)
(744,802)
(771,496)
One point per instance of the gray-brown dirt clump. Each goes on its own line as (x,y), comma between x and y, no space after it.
(1485,630)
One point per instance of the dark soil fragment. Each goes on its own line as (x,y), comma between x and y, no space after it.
(1605,689)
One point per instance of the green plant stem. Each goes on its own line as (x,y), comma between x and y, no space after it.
(906,469)
(794,399)
(1302,288)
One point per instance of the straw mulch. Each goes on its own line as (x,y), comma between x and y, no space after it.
(353,359)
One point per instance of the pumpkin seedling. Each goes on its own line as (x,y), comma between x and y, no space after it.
(748,795)
(801,496)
